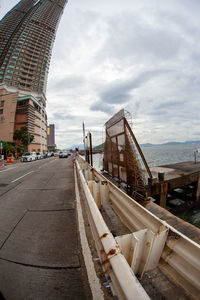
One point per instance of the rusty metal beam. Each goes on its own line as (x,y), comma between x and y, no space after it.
(139,149)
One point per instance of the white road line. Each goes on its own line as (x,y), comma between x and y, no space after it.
(23,176)
(7,169)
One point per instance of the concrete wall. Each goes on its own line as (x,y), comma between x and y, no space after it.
(7,118)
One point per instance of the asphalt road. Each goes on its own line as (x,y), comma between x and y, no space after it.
(40,255)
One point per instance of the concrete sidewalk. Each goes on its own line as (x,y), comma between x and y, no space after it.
(40,253)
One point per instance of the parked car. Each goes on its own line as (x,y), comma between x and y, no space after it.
(63,154)
(44,154)
(28,156)
(39,155)
(48,154)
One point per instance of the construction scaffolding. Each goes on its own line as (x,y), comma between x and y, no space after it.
(121,152)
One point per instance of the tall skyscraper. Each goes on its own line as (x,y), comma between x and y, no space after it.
(51,137)
(27,33)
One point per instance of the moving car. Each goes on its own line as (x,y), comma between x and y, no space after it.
(63,154)
(28,156)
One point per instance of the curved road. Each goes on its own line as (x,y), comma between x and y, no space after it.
(40,255)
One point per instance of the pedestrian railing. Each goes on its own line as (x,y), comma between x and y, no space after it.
(150,242)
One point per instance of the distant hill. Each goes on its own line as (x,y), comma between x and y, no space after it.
(80,147)
(171,143)
(101,146)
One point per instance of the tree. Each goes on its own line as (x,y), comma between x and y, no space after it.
(8,148)
(22,136)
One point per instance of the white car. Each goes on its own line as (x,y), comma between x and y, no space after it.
(63,154)
(39,155)
(28,156)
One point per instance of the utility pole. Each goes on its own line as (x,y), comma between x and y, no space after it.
(84,140)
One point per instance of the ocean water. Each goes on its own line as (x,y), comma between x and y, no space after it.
(168,154)
(162,155)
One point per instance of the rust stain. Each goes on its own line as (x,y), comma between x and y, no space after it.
(148,244)
(112,252)
(159,230)
(106,261)
(107,272)
(104,182)
(103,236)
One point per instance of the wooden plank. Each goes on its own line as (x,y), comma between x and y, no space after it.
(198,190)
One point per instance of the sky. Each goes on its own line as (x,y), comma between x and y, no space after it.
(140,55)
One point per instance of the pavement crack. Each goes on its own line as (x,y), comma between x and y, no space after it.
(40,266)
(10,189)
(13,230)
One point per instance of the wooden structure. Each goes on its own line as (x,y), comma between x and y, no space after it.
(168,178)
(120,156)
(121,152)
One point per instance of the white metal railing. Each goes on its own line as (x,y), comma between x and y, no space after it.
(150,240)
(122,280)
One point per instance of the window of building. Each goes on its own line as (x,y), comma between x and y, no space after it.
(22,103)
(1,103)
(21,111)
(1,111)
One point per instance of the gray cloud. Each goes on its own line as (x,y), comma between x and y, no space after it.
(169,105)
(120,91)
(62,116)
(66,83)
(103,107)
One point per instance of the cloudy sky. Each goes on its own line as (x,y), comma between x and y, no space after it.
(140,55)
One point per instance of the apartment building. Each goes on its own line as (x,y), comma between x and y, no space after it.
(27,34)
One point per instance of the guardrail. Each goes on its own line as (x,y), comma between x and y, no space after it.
(149,242)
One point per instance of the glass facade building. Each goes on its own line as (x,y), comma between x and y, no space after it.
(27,33)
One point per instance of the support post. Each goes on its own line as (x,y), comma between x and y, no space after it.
(91,159)
(198,190)
(163,194)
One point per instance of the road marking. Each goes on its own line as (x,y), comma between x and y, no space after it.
(8,169)
(23,176)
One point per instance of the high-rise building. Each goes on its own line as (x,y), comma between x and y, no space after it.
(27,33)
(51,137)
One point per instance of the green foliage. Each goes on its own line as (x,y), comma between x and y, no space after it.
(20,149)
(23,136)
(99,147)
(8,147)
(10,154)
